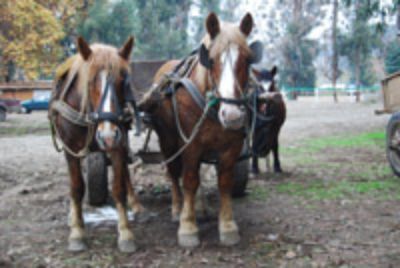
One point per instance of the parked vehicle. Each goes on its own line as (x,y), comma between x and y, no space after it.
(3,111)
(391,105)
(40,101)
(12,105)
(9,106)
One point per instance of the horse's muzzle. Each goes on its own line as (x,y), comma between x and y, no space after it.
(109,140)
(232,117)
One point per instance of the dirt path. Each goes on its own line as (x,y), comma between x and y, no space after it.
(334,206)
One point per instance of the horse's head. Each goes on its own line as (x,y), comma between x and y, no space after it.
(267,77)
(107,71)
(227,57)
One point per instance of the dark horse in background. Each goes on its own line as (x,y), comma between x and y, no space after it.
(266,134)
(88,113)
(222,68)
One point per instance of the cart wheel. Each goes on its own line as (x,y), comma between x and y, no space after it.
(95,175)
(393,143)
(240,177)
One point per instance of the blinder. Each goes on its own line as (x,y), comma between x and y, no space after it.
(204,57)
(257,49)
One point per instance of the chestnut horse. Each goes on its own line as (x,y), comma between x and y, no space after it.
(222,69)
(266,134)
(88,113)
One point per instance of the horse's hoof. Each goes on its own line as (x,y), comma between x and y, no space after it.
(76,245)
(229,238)
(127,246)
(188,240)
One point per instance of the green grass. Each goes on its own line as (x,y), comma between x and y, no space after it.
(344,179)
(15,130)
(353,141)
(319,190)
(259,193)
(307,152)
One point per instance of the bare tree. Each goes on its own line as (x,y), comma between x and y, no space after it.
(335,73)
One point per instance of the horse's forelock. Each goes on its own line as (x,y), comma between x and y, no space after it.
(229,34)
(103,57)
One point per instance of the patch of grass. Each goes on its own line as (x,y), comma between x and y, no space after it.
(372,171)
(19,130)
(259,193)
(319,190)
(353,141)
(308,152)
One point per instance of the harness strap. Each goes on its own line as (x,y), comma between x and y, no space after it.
(196,96)
(71,114)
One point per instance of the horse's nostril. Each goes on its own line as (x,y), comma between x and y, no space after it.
(223,113)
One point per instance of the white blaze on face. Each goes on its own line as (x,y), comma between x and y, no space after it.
(266,85)
(229,113)
(227,81)
(107,130)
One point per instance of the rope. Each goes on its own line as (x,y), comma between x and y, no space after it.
(195,131)
(64,147)
(78,118)
(177,121)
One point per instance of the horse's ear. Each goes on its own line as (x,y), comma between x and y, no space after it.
(246,25)
(274,71)
(126,49)
(83,48)
(212,25)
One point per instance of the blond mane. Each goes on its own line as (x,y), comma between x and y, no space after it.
(103,57)
(229,34)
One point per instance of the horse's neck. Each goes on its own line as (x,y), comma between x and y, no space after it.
(200,76)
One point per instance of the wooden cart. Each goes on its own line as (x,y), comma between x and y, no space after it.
(391,105)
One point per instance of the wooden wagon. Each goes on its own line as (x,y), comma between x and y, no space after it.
(391,105)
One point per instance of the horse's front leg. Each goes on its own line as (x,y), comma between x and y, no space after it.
(77,190)
(119,191)
(254,165)
(133,200)
(188,232)
(275,150)
(228,229)
(174,172)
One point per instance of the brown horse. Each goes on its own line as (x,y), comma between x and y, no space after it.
(266,134)
(222,68)
(88,113)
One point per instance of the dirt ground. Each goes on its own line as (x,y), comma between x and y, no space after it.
(335,205)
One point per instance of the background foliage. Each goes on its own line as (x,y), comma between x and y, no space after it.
(36,35)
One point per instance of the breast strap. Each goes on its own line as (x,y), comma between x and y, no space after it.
(196,96)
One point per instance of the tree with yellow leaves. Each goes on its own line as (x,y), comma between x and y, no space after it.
(31,32)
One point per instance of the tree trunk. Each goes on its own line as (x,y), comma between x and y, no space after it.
(334,49)
(357,64)
(358,54)
(398,19)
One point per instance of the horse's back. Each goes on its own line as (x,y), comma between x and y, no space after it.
(142,75)
(164,69)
